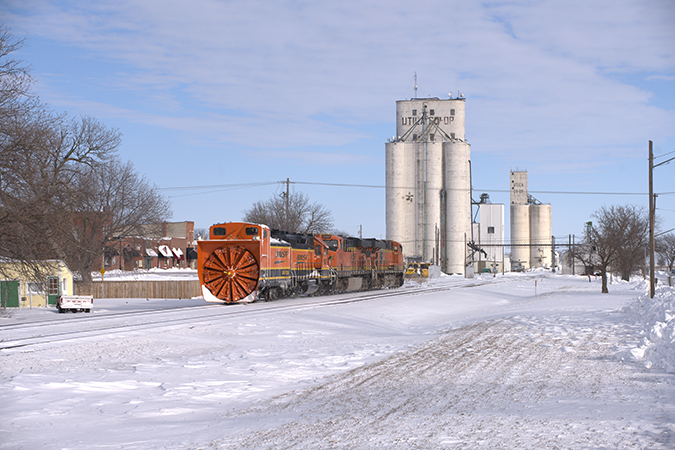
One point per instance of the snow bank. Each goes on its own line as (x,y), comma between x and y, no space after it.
(656,320)
(153,274)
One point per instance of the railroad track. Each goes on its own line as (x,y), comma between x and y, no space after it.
(33,335)
(98,316)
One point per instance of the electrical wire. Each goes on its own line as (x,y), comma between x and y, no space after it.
(342,185)
(227,187)
(665,154)
(214,188)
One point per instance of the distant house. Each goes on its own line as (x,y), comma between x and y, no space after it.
(17,291)
(571,264)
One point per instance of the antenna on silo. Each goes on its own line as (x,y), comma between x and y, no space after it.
(415,84)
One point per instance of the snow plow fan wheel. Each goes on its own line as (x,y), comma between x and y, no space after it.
(231,273)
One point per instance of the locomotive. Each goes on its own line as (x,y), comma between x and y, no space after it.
(244,262)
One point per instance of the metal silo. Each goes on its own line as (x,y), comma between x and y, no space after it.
(540,236)
(520,236)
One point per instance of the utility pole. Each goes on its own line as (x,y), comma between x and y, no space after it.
(652,216)
(288,184)
(573,255)
(651,220)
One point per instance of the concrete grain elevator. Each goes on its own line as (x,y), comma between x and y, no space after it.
(428,182)
(531,227)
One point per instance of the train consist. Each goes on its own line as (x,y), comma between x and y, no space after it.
(245,262)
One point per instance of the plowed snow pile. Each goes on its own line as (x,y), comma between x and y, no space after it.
(506,364)
(656,317)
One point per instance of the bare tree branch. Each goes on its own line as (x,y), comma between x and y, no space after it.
(665,247)
(301,217)
(617,238)
(63,192)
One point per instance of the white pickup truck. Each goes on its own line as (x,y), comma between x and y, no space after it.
(75,303)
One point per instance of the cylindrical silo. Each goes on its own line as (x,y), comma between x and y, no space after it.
(457,176)
(400,193)
(431,212)
(540,236)
(520,236)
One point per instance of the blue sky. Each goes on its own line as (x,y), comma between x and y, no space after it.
(223,99)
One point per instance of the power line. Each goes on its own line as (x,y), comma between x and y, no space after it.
(566,192)
(343,185)
(214,188)
(224,187)
(665,154)
(218,186)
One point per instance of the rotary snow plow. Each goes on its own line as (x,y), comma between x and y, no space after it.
(229,269)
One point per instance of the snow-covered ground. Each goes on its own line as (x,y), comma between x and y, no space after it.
(524,361)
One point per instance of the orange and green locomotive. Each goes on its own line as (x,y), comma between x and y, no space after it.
(244,262)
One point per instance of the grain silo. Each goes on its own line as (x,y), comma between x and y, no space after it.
(428,202)
(531,230)
(458,204)
(520,236)
(400,183)
(540,235)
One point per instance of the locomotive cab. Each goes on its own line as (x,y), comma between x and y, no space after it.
(321,255)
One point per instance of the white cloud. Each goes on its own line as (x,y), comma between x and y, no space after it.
(536,73)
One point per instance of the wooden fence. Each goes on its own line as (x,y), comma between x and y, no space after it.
(140,289)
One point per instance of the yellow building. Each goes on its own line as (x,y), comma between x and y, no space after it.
(17,291)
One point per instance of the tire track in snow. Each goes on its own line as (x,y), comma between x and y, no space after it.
(516,383)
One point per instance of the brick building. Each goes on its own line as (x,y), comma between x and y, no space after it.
(165,245)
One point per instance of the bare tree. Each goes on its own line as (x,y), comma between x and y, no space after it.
(25,129)
(201,233)
(597,251)
(15,79)
(632,225)
(301,216)
(617,238)
(63,192)
(117,202)
(44,160)
(665,247)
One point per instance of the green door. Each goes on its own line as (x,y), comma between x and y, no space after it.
(54,290)
(9,294)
